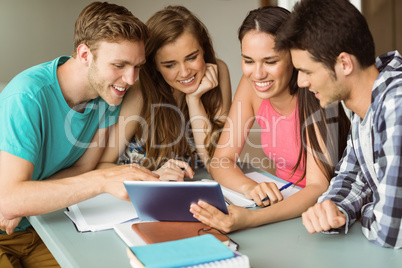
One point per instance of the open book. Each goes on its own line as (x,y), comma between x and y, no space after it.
(101,212)
(240,199)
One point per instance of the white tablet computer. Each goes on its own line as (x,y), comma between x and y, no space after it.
(170,201)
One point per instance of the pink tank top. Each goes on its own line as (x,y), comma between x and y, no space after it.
(280,139)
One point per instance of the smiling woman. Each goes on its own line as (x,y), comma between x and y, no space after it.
(183,96)
(295,131)
(181,64)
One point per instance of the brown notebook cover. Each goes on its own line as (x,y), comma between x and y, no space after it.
(163,231)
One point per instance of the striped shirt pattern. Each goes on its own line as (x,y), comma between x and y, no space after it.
(375,200)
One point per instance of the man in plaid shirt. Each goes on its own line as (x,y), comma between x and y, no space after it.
(333,50)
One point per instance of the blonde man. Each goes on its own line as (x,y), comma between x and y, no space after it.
(54,120)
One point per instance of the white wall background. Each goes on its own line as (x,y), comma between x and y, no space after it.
(288,4)
(32,32)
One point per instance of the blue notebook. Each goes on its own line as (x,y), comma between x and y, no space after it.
(184,252)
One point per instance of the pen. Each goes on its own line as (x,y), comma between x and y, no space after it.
(227,201)
(281,189)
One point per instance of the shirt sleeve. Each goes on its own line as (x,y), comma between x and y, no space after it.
(382,218)
(20,132)
(348,190)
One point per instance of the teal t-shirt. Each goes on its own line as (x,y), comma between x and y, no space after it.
(38,125)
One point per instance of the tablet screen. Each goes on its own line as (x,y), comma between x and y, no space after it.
(170,201)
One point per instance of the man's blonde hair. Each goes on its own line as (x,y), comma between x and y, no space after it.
(101,21)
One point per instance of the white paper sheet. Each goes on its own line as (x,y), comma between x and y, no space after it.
(100,213)
(240,199)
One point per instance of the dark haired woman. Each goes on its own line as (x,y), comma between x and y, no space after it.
(305,140)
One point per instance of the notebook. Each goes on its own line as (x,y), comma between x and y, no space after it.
(170,201)
(241,200)
(199,251)
(101,212)
(163,231)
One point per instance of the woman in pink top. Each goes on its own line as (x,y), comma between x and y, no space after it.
(305,140)
(281,140)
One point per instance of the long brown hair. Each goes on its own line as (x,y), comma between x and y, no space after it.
(332,124)
(166,138)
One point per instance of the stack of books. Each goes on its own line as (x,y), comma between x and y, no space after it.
(164,231)
(197,252)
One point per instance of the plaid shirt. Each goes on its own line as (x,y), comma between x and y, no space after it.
(378,201)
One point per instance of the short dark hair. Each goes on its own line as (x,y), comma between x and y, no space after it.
(326,28)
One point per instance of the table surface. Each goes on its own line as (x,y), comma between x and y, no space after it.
(282,244)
